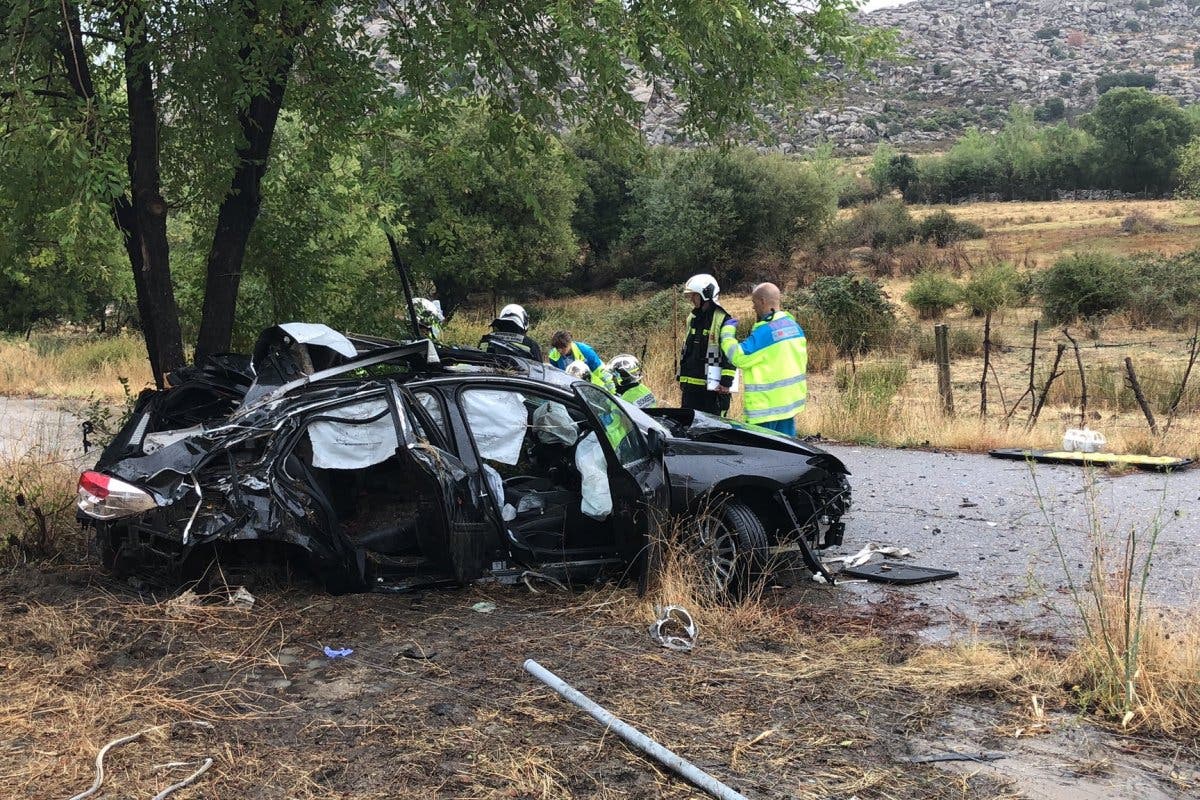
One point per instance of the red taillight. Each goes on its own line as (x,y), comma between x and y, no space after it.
(95,484)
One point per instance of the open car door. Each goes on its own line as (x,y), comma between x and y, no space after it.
(637,478)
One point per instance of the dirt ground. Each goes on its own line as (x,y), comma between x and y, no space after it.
(433,701)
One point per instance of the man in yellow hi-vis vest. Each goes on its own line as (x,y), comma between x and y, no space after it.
(773,360)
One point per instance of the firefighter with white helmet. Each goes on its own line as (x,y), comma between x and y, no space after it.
(578,369)
(429,317)
(509,334)
(705,374)
(626,372)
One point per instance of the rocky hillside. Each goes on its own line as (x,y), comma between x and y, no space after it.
(964,62)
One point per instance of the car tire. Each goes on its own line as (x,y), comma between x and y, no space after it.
(732,543)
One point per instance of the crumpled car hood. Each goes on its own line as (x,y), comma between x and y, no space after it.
(699,427)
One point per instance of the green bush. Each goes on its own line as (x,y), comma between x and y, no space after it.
(991,289)
(1166,291)
(630,287)
(88,358)
(855,311)
(1114,80)
(708,210)
(873,384)
(884,224)
(1084,285)
(943,229)
(932,294)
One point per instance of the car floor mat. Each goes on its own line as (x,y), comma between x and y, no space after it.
(1150,463)
(896,572)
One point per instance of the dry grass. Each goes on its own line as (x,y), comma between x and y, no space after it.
(37,508)
(59,366)
(1041,232)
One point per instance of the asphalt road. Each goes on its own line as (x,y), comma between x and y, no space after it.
(984,518)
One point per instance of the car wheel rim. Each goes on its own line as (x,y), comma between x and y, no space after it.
(719,551)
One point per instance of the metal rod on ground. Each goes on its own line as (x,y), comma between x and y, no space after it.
(1054,373)
(633,736)
(941,341)
(1140,396)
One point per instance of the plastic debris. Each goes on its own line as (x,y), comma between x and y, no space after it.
(484,607)
(864,555)
(342,653)
(674,629)
(242,598)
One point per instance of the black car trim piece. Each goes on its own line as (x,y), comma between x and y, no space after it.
(810,558)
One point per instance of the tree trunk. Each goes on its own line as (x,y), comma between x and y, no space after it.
(242,203)
(142,218)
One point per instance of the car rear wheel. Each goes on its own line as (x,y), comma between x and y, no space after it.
(732,544)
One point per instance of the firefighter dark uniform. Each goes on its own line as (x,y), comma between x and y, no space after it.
(701,350)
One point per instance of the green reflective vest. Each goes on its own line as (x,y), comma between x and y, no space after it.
(640,396)
(774,362)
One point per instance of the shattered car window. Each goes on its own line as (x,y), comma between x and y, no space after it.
(498,420)
(354,437)
(618,427)
(433,407)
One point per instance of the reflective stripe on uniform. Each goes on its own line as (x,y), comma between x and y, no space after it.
(766,387)
(760,413)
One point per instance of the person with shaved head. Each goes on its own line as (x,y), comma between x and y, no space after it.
(773,360)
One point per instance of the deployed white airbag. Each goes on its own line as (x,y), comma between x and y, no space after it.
(552,424)
(339,444)
(497,420)
(589,460)
(316,334)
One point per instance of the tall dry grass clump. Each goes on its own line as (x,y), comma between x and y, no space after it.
(63,366)
(1134,664)
(37,508)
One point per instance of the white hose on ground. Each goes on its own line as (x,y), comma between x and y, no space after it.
(188,781)
(124,740)
(680,765)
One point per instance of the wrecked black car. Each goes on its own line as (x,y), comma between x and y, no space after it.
(385,465)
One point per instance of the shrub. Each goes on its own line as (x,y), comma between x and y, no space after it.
(1113,80)
(884,224)
(870,384)
(1052,110)
(697,211)
(1166,292)
(1085,284)
(1047,33)
(932,294)
(991,289)
(1140,222)
(943,228)
(629,287)
(856,312)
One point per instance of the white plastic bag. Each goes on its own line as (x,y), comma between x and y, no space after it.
(552,424)
(593,468)
(1083,440)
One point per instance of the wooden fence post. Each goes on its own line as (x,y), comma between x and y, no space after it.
(1140,396)
(987,351)
(941,340)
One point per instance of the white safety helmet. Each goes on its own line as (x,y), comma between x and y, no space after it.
(704,285)
(578,369)
(515,313)
(627,364)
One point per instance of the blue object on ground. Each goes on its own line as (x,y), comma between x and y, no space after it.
(331,653)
